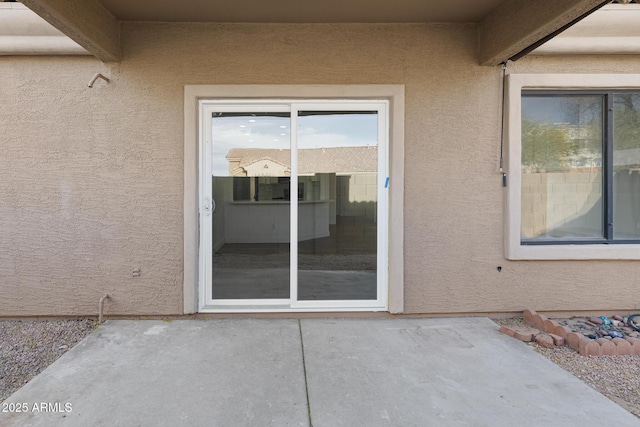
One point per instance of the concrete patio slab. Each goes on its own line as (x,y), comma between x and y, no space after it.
(325,373)
(180,373)
(441,372)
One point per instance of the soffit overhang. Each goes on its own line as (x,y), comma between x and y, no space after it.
(508,29)
(296,11)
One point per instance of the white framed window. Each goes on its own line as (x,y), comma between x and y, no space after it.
(573,167)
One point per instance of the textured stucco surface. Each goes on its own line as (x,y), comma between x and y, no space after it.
(91,179)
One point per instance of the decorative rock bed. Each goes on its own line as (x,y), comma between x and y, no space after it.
(589,337)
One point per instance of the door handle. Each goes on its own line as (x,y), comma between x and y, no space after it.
(208,206)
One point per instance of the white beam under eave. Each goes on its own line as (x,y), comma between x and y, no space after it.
(86,22)
(516,25)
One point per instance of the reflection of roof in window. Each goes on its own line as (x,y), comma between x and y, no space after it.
(316,160)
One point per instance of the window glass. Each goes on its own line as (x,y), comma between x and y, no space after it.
(626,166)
(562,158)
(338,208)
(251,158)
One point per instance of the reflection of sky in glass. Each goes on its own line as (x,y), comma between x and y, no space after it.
(338,130)
(562,109)
(246,132)
(316,131)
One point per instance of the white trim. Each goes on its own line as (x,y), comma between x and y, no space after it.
(381,106)
(241,93)
(207,108)
(285,308)
(219,304)
(23,32)
(612,30)
(514,250)
(293,214)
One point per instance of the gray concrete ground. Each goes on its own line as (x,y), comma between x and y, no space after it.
(347,372)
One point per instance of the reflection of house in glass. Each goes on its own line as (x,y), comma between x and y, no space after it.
(336,222)
(343,176)
(336,185)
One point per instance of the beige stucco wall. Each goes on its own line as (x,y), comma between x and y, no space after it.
(91,179)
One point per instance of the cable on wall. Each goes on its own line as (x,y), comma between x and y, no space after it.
(504,80)
(524,52)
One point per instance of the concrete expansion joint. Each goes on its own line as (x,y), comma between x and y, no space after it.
(304,368)
(595,336)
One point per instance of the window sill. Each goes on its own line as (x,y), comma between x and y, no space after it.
(573,252)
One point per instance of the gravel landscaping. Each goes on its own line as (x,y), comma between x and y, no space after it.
(616,377)
(28,347)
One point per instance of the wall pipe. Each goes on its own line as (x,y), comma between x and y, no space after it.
(101,307)
(96,77)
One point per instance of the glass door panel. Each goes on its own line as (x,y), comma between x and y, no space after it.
(251,170)
(337,193)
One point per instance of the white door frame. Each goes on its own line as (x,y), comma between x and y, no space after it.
(382,107)
(207,205)
(207,108)
(193,94)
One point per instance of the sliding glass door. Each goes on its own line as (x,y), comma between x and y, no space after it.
(250,170)
(294,202)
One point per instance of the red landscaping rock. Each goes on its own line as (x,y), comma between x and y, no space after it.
(619,318)
(526,334)
(595,320)
(507,330)
(562,331)
(573,339)
(608,347)
(623,347)
(635,345)
(544,340)
(528,316)
(588,347)
(549,333)
(523,333)
(550,325)
(538,321)
(557,339)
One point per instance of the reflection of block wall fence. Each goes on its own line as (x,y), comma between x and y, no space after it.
(572,202)
(626,215)
(551,200)
(358,195)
